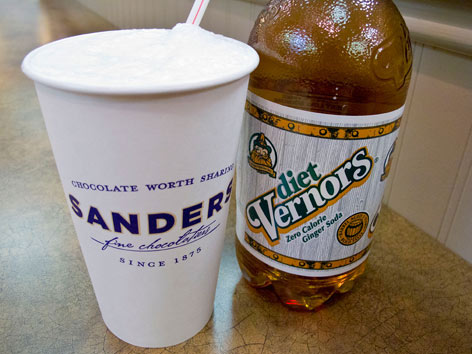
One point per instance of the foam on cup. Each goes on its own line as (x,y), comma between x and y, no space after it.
(139,61)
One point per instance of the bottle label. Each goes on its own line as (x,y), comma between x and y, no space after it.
(310,185)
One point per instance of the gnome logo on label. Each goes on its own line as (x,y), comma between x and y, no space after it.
(262,155)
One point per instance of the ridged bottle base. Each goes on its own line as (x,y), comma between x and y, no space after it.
(296,292)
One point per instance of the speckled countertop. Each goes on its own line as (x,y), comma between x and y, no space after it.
(416,296)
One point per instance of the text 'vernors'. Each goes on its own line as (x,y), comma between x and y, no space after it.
(303,199)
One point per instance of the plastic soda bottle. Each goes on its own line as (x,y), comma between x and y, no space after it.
(322,117)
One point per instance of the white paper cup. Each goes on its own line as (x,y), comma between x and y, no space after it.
(133,163)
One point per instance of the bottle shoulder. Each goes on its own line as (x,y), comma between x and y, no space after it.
(332,49)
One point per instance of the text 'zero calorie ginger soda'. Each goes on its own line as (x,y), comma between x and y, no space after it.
(321,122)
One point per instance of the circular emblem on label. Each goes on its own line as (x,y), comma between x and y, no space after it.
(352,229)
(374,222)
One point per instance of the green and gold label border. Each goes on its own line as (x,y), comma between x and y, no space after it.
(320,131)
(301,263)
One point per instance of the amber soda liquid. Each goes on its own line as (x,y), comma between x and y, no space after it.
(321,122)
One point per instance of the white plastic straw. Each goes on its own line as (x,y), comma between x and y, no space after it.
(196,14)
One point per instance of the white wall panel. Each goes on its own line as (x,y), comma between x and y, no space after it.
(233,18)
(417,52)
(242,17)
(216,17)
(460,234)
(434,144)
(460,192)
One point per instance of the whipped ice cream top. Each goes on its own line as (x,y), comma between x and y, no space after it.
(141,61)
